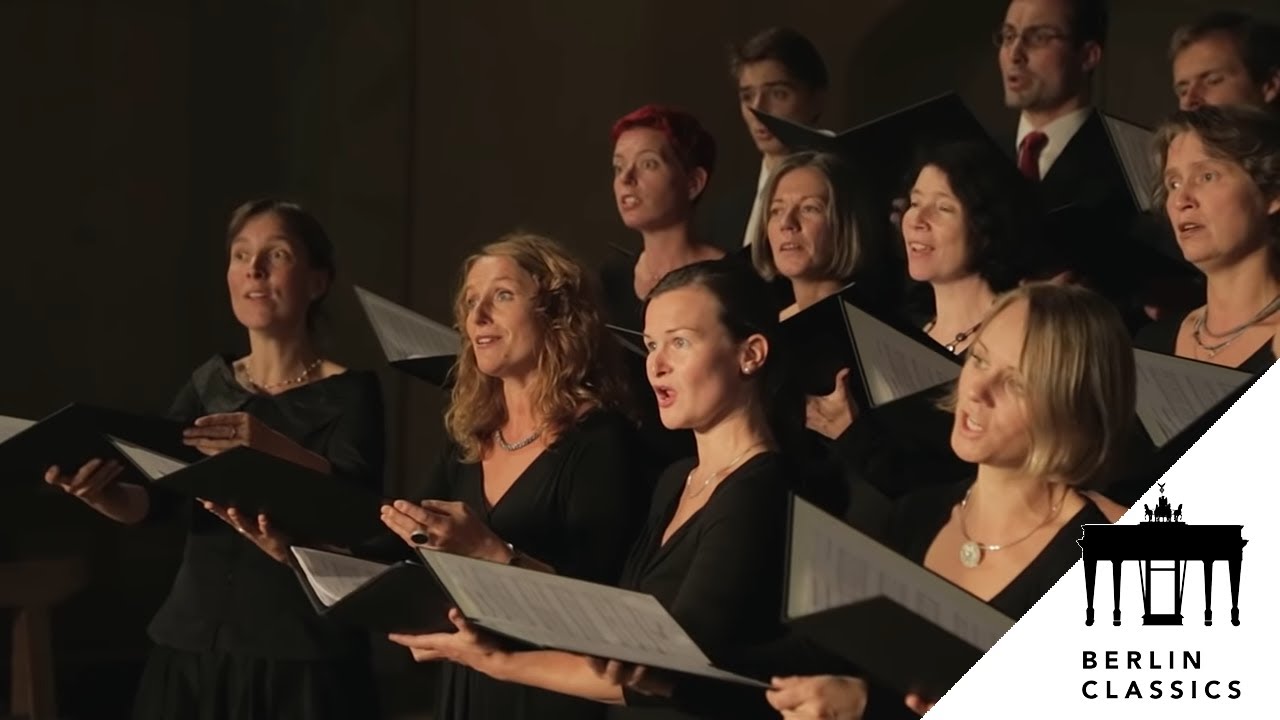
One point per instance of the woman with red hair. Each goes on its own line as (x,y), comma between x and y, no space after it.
(662,161)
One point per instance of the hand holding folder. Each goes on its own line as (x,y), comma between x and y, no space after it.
(526,607)
(301,502)
(77,434)
(887,359)
(908,627)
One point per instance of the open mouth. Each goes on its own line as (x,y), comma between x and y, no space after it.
(666,396)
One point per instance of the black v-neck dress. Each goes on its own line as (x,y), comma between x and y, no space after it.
(921,516)
(576,508)
(720,577)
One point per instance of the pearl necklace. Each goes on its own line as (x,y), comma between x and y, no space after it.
(306,373)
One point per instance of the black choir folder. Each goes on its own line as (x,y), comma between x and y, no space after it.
(882,150)
(887,360)
(299,501)
(76,434)
(412,343)
(904,625)
(1174,392)
(533,609)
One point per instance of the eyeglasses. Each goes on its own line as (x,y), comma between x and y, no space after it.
(1034,37)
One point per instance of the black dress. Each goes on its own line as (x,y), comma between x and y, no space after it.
(919,518)
(720,577)
(237,637)
(1162,337)
(577,508)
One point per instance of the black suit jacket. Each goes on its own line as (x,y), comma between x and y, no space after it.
(1097,230)
(722,221)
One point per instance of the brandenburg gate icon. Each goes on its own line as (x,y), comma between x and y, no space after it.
(1162,537)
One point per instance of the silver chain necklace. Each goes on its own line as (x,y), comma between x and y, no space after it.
(972,552)
(688,480)
(1231,335)
(517,445)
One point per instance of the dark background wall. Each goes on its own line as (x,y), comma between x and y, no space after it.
(416,131)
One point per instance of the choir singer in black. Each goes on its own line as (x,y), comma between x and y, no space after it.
(237,638)
(1221,192)
(810,235)
(712,548)
(541,470)
(1043,407)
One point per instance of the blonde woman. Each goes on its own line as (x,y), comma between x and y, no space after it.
(1043,407)
(812,234)
(540,469)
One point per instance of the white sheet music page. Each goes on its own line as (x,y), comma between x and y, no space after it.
(151,463)
(571,615)
(1174,392)
(10,426)
(832,565)
(334,576)
(631,340)
(894,364)
(403,333)
(1132,144)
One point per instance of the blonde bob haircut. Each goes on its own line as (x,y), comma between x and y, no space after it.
(847,245)
(577,365)
(1078,365)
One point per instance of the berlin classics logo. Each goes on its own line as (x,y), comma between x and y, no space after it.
(1161,543)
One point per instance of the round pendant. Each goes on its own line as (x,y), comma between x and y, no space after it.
(970,554)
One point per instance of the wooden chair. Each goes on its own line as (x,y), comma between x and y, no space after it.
(32,588)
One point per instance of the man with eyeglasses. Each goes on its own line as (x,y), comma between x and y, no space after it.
(1048,52)
(1226,58)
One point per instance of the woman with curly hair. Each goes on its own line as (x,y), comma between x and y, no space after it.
(541,469)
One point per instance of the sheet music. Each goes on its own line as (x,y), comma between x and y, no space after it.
(894,364)
(1133,148)
(10,426)
(832,565)
(334,576)
(632,340)
(1174,392)
(404,334)
(151,463)
(571,615)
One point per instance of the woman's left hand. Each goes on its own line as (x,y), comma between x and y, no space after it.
(825,697)
(831,414)
(259,532)
(213,434)
(468,646)
(636,677)
(449,526)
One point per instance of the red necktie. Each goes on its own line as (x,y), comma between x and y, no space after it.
(1029,154)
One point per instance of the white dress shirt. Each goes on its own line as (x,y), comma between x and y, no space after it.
(1059,132)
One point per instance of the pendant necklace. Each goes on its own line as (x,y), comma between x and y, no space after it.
(972,552)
